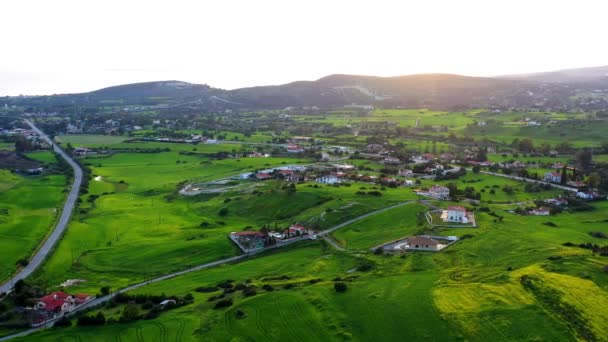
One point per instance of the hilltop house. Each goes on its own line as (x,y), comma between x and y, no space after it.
(553,177)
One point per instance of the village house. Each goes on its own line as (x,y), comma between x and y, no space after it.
(406,173)
(423,243)
(344,167)
(391,160)
(587,195)
(553,177)
(328,179)
(374,148)
(409,182)
(419,160)
(455,214)
(83,151)
(258,155)
(446,156)
(557,201)
(295,230)
(294,148)
(543,211)
(263,176)
(439,192)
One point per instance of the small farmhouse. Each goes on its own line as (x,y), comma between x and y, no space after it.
(543,211)
(553,177)
(439,192)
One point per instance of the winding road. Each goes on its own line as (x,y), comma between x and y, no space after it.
(62,223)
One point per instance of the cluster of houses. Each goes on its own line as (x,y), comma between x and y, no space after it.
(56,304)
(193,139)
(249,240)
(29,134)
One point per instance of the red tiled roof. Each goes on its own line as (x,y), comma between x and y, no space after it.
(54,300)
(457,208)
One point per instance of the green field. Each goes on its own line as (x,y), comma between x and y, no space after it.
(28,209)
(132,205)
(45,157)
(471,290)
(513,277)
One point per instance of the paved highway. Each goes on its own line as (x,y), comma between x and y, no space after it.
(62,223)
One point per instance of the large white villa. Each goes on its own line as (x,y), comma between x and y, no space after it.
(455,214)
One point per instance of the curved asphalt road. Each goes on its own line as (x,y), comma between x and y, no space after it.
(68,207)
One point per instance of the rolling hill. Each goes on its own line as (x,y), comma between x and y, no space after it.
(445,91)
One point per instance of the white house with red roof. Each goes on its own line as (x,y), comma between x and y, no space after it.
(296,230)
(263,176)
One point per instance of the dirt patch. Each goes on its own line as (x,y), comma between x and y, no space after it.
(11,160)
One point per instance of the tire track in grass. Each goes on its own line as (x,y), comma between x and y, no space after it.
(139,334)
(180,330)
(163,331)
(259,322)
(298,309)
(228,322)
(285,322)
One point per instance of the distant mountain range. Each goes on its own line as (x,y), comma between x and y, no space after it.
(547,90)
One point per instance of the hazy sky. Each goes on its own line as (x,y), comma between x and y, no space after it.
(71,46)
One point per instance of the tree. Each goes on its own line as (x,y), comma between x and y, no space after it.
(526,145)
(584,158)
(22,144)
(476,169)
(291,189)
(130,312)
(564,178)
(223,212)
(593,181)
(340,287)
(105,290)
